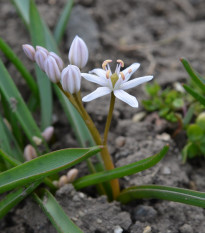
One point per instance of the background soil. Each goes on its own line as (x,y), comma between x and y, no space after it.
(155,34)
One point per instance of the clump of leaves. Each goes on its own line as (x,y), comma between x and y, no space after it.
(166,102)
(196,131)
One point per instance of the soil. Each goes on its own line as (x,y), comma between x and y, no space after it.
(155,34)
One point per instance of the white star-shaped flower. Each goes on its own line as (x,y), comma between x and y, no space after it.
(116,82)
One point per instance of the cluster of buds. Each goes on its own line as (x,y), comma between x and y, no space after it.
(66,179)
(53,66)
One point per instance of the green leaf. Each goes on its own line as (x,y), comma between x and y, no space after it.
(9,159)
(38,38)
(200,121)
(20,67)
(120,171)
(22,7)
(178,103)
(13,198)
(163,192)
(43,166)
(62,22)
(189,115)
(56,214)
(8,142)
(196,96)
(17,104)
(194,132)
(193,74)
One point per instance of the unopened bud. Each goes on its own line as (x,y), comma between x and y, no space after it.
(29,152)
(72,174)
(55,183)
(59,61)
(48,133)
(71,79)
(38,47)
(40,57)
(37,140)
(52,70)
(62,181)
(29,51)
(78,53)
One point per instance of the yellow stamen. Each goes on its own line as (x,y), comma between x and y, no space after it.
(122,75)
(107,74)
(105,63)
(121,62)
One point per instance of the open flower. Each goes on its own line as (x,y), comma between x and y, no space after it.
(116,82)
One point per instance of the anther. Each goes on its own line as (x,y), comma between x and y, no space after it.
(105,63)
(129,71)
(107,74)
(121,62)
(122,75)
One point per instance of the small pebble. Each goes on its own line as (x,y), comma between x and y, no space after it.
(99,221)
(138,116)
(120,141)
(118,229)
(166,171)
(186,228)
(164,137)
(147,229)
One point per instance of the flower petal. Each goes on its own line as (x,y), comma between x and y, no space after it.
(95,79)
(99,72)
(130,70)
(100,91)
(135,82)
(127,98)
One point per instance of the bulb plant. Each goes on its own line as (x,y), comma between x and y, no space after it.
(38,176)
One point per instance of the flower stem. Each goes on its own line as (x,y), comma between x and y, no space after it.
(109,118)
(96,136)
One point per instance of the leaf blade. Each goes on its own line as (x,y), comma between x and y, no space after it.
(180,195)
(120,171)
(43,166)
(56,214)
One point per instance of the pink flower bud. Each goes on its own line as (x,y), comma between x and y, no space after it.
(40,57)
(48,133)
(59,61)
(29,51)
(72,174)
(29,153)
(71,79)
(78,53)
(52,69)
(38,47)
(62,181)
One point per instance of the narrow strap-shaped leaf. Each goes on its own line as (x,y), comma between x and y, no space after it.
(43,166)
(194,76)
(120,171)
(22,7)
(20,67)
(9,159)
(38,38)
(56,214)
(17,104)
(8,142)
(62,22)
(196,96)
(163,192)
(13,198)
